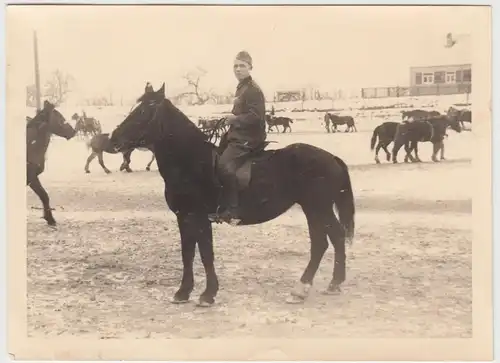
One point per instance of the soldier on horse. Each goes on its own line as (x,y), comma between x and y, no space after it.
(247,131)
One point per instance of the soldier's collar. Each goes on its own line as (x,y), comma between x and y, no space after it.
(244,81)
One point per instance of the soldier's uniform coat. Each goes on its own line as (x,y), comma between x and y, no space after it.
(249,128)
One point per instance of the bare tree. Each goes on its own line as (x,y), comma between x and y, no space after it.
(57,87)
(193,79)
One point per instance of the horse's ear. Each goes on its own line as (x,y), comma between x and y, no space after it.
(47,105)
(161,91)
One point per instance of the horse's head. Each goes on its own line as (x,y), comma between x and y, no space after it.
(53,121)
(454,123)
(135,130)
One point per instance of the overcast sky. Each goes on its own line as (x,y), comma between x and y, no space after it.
(119,48)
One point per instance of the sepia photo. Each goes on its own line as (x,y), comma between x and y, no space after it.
(245,182)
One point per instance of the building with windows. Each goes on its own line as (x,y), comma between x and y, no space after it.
(447,68)
(440,79)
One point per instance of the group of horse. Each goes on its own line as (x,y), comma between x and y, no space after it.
(418,126)
(186,157)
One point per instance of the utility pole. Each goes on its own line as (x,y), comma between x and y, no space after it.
(37,73)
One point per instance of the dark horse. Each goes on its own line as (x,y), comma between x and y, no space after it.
(215,126)
(385,133)
(418,114)
(307,175)
(38,132)
(339,120)
(463,115)
(431,130)
(275,121)
(86,126)
(100,144)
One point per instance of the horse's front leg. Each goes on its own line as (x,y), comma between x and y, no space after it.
(442,150)
(415,148)
(205,245)
(37,187)
(148,167)
(126,161)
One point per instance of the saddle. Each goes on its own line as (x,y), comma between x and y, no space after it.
(244,172)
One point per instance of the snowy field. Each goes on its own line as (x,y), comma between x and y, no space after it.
(114,261)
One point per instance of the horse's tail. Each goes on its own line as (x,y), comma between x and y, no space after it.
(345,202)
(291,121)
(374,137)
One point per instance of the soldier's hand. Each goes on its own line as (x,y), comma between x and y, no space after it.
(230,119)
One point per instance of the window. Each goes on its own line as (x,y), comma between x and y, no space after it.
(418,78)
(458,76)
(428,78)
(467,77)
(450,77)
(439,77)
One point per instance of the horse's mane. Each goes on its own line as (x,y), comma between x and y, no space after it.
(34,120)
(179,119)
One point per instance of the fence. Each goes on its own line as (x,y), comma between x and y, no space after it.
(417,90)
(384,92)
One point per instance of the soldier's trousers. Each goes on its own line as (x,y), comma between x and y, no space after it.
(231,159)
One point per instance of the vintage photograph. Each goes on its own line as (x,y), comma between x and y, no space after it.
(248,171)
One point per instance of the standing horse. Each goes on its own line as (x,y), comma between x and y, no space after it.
(275,121)
(341,120)
(432,130)
(216,126)
(86,126)
(100,144)
(463,115)
(418,114)
(305,174)
(38,132)
(385,133)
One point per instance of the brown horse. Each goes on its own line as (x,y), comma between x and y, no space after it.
(418,114)
(100,144)
(463,115)
(38,132)
(214,126)
(431,130)
(339,120)
(275,121)
(86,126)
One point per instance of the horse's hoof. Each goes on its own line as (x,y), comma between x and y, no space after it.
(178,301)
(377,161)
(51,222)
(148,169)
(332,290)
(205,301)
(87,171)
(128,170)
(107,171)
(294,299)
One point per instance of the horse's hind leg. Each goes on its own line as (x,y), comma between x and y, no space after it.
(435,148)
(377,149)
(442,150)
(336,233)
(319,244)
(101,162)
(387,153)
(415,148)
(89,159)
(37,187)
(148,167)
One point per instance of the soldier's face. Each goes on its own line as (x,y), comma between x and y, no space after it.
(241,69)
